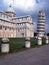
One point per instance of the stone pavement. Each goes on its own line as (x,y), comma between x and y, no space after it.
(34,56)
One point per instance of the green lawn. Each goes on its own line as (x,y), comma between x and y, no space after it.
(18,44)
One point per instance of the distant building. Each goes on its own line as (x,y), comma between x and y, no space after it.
(12,26)
(41,24)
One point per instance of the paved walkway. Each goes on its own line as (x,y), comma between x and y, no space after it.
(34,56)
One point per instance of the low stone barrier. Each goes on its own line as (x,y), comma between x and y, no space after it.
(27,42)
(5,45)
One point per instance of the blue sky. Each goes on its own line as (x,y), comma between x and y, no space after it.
(28,7)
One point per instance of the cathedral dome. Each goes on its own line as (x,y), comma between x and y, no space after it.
(10,9)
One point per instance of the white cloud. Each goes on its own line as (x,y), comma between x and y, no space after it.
(21,4)
(24,5)
(7,2)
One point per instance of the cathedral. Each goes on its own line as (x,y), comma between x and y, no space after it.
(12,26)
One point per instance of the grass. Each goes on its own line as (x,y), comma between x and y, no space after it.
(43,41)
(33,42)
(18,44)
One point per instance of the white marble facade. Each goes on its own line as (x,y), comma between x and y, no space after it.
(12,26)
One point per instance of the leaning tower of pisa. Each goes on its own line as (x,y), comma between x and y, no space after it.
(41,24)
